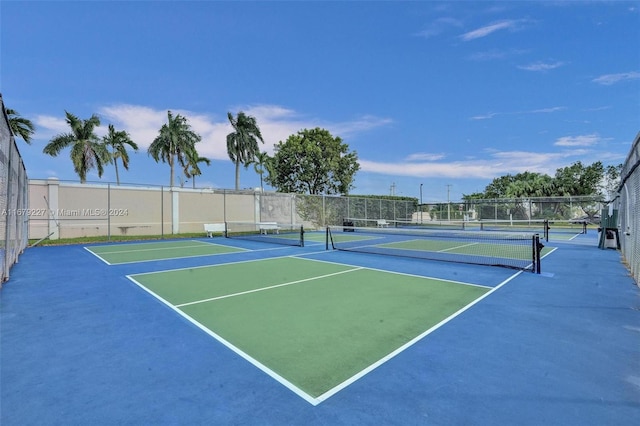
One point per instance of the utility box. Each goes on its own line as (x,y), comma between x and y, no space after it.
(611,239)
(609,236)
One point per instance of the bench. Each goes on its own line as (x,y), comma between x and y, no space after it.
(382,223)
(265,227)
(210,228)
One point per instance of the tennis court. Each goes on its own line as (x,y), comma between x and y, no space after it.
(314,326)
(246,331)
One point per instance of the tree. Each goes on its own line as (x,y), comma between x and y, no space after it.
(175,142)
(87,151)
(611,181)
(242,143)
(117,141)
(314,162)
(20,126)
(525,184)
(260,165)
(578,179)
(498,188)
(194,169)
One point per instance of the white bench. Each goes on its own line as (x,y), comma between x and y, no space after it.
(382,223)
(210,228)
(265,227)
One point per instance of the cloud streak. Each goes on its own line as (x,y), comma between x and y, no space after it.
(541,66)
(481,32)
(610,79)
(582,140)
(491,115)
(439,26)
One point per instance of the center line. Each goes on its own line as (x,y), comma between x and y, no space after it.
(266,288)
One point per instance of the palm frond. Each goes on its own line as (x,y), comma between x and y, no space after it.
(20,126)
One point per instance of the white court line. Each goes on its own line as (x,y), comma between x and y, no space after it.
(96,255)
(240,250)
(410,343)
(286,383)
(200,244)
(229,263)
(267,288)
(427,277)
(280,379)
(458,247)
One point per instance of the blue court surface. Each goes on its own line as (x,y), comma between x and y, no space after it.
(82,343)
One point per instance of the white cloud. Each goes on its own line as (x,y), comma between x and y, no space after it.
(493,54)
(439,26)
(142,123)
(541,66)
(533,111)
(494,164)
(583,140)
(484,116)
(423,156)
(48,126)
(545,110)
(276,124)
(609,79)
(362,124)
(489,29)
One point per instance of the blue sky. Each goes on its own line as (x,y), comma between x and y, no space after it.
(449,95)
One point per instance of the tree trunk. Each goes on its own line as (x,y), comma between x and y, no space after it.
(237,175)
(115,162)
(171,161)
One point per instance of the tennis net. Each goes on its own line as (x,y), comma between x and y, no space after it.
(506,249)
(538,226)
(268,232)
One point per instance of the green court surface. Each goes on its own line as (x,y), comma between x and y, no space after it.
(557,236)
(114,254)
(511,251)
(312,325)
(315,236)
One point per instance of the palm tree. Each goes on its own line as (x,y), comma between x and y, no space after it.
(176,141)
(242,143)
(260,165)
(194,170)
(118,141)
(87,151)
(20,126)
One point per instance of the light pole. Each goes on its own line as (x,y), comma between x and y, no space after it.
(448,203)
(420,204)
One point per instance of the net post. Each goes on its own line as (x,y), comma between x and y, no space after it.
(546,229)
(326,241)
(537,249)
(301,235)
(533,254)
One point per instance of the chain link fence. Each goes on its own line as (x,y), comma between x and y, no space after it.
(71,210)
(535,208)
(13,199)
(627,203)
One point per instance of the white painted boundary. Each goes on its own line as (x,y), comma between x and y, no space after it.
(310,399)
